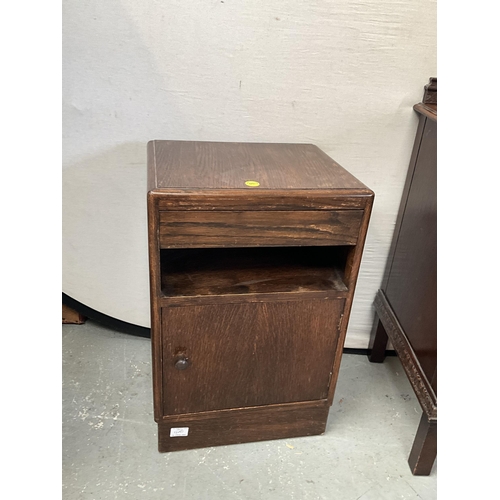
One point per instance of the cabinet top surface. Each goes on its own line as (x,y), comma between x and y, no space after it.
(237,165)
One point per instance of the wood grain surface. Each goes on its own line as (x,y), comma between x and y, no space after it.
(412,287)
(243,425)
(237,271)
(263,199)
(424,450)
(216,165)
(252,288)
(422,386)
(353,264)
(427,110)
(155,292)
(70,316)
(251,354)
(280,228)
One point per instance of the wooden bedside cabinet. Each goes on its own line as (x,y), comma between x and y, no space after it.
(254,255)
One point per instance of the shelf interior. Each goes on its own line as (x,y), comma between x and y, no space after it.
(226,271)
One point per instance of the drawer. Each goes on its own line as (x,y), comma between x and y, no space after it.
(185,229)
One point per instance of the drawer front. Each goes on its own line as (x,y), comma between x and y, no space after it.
(182,229)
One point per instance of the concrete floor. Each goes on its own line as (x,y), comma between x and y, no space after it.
(110,447)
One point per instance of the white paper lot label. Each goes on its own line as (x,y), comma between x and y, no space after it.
(179,432)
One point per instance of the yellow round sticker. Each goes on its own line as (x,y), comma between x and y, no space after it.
(252,183)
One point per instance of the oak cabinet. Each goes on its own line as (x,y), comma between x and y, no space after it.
(254,256)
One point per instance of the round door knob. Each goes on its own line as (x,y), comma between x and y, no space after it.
(182,363)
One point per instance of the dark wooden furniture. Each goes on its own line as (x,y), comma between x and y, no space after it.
(254,255)
(406,303)
(71,317)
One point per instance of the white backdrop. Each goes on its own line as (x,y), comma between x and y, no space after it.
(342,74)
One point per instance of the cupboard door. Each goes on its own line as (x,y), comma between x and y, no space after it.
(241,355)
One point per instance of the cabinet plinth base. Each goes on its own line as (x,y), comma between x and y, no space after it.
(242,425)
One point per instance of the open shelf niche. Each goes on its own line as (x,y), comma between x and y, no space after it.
(252,270)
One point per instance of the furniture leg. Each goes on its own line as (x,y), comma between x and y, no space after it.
(424,449)
(378,342)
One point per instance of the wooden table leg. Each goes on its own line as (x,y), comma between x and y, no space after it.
(424,450)
(378,342)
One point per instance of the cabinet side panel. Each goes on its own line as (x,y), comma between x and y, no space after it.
(404,197)
(412,285)
(155,291)
(151,158)
(351,276)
